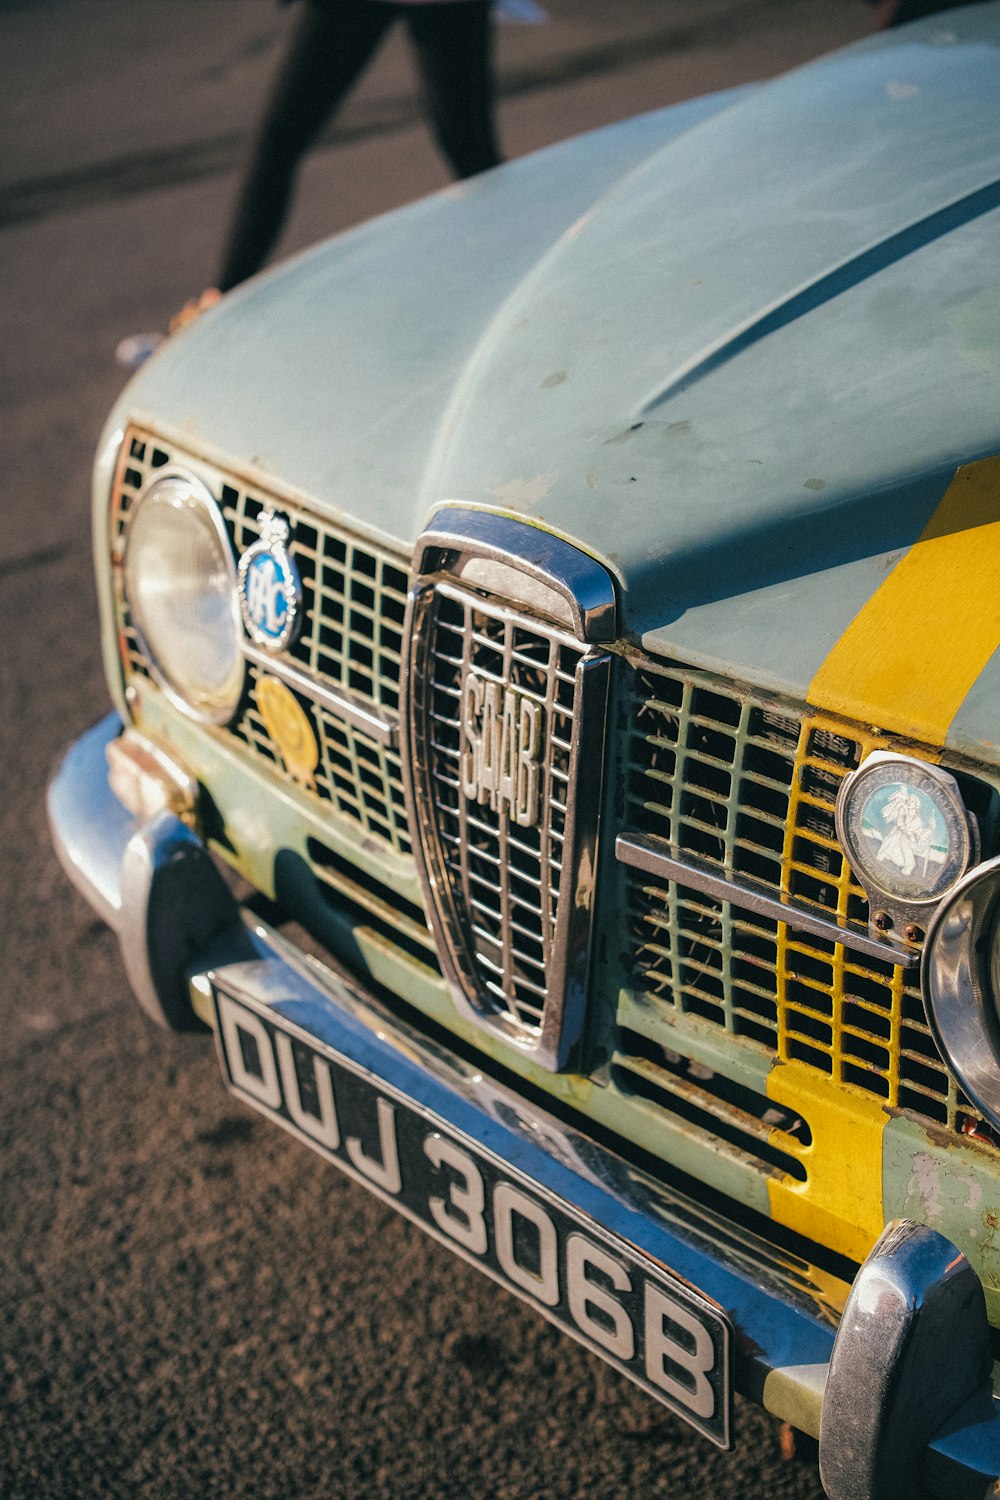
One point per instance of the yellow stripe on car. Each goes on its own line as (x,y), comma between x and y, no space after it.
(825,1029)
(903,666)
(910,656)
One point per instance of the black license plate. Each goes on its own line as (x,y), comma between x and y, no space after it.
(594,1285)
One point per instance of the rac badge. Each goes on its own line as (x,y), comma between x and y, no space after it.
(501,744)
(270,587)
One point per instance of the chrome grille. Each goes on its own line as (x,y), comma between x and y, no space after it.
(749,785)
(354,603)
(505,879)
(504,722)
(354,600)
(359,776)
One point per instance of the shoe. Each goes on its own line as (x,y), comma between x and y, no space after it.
(134,351)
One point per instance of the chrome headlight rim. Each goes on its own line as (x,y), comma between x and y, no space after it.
(198,490)
(959,978)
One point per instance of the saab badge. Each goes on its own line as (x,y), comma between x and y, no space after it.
(269,585)
(288,725)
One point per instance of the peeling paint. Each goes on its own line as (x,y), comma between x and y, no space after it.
(897,91)
(925,1184)
(525,491)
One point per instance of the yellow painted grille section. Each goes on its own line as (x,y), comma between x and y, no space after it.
(749,784)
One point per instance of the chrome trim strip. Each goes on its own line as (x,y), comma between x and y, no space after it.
(384,731)
(583,586)
(643,852)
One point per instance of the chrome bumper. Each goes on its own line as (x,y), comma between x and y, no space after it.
(899,1394)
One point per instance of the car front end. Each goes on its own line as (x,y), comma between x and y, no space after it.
(581,652)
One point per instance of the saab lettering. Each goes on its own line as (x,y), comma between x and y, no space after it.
(383,1169)
(502,732)
(593,1309)
(543,1283)
(665,1354)
(322,1128)
(460,1215)
(249,1053)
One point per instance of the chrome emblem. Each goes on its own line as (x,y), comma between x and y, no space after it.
(502,733)
(269,586)
(906,832)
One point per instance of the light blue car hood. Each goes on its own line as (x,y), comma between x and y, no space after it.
(737,349)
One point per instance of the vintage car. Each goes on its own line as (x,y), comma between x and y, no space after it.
(572,602)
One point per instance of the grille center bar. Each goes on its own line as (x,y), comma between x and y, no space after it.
(648,854)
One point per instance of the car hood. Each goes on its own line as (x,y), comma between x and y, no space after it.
(737,350)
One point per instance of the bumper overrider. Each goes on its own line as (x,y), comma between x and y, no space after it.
(899,1392)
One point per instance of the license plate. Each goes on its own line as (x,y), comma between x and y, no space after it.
(594,1285)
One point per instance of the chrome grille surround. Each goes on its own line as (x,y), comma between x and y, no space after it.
(505,615)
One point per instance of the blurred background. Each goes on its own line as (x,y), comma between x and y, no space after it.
(190,1303)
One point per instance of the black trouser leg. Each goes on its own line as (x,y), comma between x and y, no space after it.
(453,43)
(330,47)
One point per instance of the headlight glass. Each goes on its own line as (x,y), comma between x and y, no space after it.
(959,976)
(180,582)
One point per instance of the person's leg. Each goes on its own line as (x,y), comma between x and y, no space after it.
(453,43)
(331,45)
(901,12)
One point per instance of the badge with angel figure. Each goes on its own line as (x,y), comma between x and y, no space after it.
(904,828)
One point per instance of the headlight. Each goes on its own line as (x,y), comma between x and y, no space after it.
(180,581)
(961,975)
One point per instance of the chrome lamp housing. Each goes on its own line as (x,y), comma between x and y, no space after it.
(961,984)
(179,577)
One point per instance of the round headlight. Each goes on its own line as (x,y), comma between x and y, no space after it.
(180,581)
(960,977)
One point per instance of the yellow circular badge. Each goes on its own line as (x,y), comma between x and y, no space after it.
(286,722)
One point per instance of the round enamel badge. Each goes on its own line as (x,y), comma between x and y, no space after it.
(905,828)
(269,586)
(288,725)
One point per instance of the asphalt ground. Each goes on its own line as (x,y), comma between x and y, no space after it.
(190,1303)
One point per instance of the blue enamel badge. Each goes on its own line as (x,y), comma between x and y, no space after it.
(270,587)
